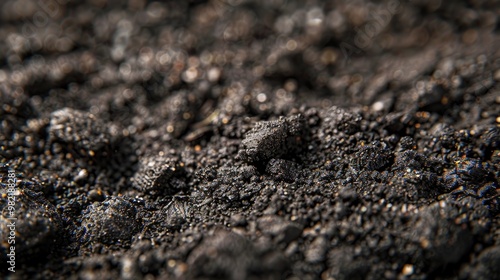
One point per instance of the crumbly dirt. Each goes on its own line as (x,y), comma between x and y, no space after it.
(238,139)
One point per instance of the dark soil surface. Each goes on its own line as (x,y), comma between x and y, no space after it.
(238,139)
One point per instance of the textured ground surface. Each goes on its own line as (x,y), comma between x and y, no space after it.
(252,139)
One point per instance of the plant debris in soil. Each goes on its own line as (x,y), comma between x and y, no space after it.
(250,139)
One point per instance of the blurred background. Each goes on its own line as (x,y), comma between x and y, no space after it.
(264,55)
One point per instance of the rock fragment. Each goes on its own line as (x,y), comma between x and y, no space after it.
(110,222)
(371,158)
(157,175)
(317,250)
(273,139)
(487,264)
(336,119)
(282,230)
(179,110)
(344,265)
(175,214)
(283,170)
(80,129)
(227,255)
(36,229)
(442,241)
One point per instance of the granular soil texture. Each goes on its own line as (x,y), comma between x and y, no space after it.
(251,139)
